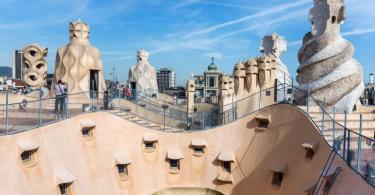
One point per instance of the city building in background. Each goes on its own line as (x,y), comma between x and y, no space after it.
(6,72)
(17,64)
(207,85)
(179,92)
(166,78)
(368,97)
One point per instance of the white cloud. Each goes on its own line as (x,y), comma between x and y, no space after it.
(120,58)
(295,43)
(359,31)
(268,24)
(216,55)
(185,4)
(267,12)
(116,52)
(174,44)
(221,4)
(359,17)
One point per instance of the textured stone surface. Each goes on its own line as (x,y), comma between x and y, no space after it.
(226,94)
(34,71)
(251,74)
(266,71)
(239,74)
(75,60)
(327,67)
(143,74)
(249,78)
(275,45)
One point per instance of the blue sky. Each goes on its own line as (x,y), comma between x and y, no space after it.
(181,34)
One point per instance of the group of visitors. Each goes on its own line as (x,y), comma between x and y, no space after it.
(61,89)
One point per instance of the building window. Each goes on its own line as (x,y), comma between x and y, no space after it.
(199,146)
(310,149)
(211,93)
(174,157)
(278,171)
(26,156)
(123,171)
(150,142)
(226,159)
(309,154)
(227,166)
(289,91)
(29,158)
(268,93)
(122,166)
(262,122)
(150,146)
(199,150)
(211,81)
(87,129)
(277,179)
(87,132)
(28,152)
(174,164)
(65,189)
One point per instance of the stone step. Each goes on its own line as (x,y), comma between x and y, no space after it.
(153,125)
(127,117)
(120,114)
(349,125)
(136,119)
(365,132)
(142,122)
(341,117)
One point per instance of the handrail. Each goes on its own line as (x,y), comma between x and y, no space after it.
(223,112)
(325,170)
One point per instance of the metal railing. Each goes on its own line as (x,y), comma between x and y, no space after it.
(33,112)
(357,149)
(182,119)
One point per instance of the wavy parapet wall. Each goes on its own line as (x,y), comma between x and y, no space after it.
(327,68)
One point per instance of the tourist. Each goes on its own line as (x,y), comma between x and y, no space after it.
(60,92)
(124,92)
(128,93)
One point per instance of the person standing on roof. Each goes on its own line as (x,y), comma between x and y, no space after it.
(60,92)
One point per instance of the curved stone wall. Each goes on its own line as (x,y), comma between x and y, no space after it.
(85,151)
